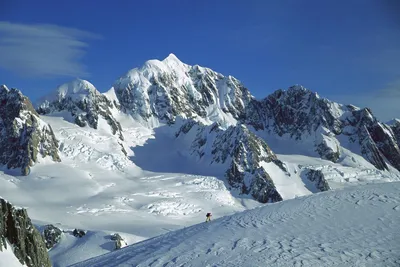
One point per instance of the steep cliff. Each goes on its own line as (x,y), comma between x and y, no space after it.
(27,243)
(24,136)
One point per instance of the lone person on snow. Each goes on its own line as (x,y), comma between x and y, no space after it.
(208,215)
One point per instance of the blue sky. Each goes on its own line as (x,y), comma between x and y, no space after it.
(347,51)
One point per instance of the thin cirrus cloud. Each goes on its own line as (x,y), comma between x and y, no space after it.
(43,50)
(383,102)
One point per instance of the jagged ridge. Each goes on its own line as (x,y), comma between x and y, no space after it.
(169,88)
(162,91)
(84,102)
(241,151)
(23,134)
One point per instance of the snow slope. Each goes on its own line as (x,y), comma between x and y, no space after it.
(97,188)
(350,227)
(149,193)
(8,259)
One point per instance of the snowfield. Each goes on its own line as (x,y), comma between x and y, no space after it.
(97,188)
(350,227)
(156,189)
(159,189)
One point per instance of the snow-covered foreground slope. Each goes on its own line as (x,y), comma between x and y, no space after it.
(8,259)
(350,227)
(71,249)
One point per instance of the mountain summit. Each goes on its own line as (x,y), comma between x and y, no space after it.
(165,90)
(84,102)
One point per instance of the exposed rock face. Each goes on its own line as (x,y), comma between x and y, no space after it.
(119,241)
(23,134)
(377,140)
(52,235)
(396,129)
(302,114)
(17,228)
(318,178)
(78,233)
(86,105)
(242,152)
(299,111)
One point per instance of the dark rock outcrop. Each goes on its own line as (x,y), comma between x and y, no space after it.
(318,178)
(377,140)
(17,228)
(396,129)
(78,233)
(119,241)
(52,235)
(23,134)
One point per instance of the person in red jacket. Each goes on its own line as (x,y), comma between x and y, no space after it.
(208,216)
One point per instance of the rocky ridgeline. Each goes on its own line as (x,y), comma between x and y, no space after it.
(169,88)
(396,130)
(24,136)
(164,92)
(82,100)
(17,229)
(301,113)
(242,152)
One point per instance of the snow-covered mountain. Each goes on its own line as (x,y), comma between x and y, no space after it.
(178,95)
(170,142)
(300,114)
(24,136)
(164,90)
(83,102)
(161,91)
(352,227)
(245,156)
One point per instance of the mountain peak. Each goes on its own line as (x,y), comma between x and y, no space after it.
(76,86)
(299,88)
(171,57)
(76,89)
(3,87)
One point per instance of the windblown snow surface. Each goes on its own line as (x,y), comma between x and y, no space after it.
(349,227)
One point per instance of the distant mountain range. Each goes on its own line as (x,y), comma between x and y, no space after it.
(216,119)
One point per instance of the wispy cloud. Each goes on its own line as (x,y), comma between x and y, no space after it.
(43,49)
(383,102)
(392,90)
